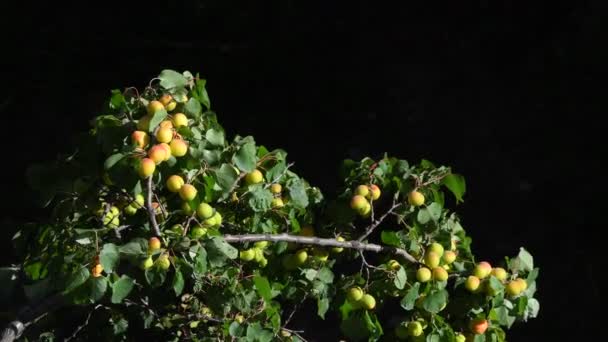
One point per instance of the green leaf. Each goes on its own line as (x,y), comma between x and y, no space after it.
(170,79)
(193,108)
(112,160)
(156,119)
(275,172)
(245,158)
(434,302)
(409,300)
(99,286)
(431,212)
(200,92)
(390,238)
(119,326)
(400,278)
(503,317)
(456,184)
(263,287)
(226,176)
(256,333)
(355,327)
(200,262)
(215,137)
(136,247)
(523,262)
(178,283)
(155,276)
(77,278)
(121,288)
(109,257)
(117,100)
(218,250)
(260,199)
(532,308)
(322,306)
(297,193)
(325,275)
(235,329)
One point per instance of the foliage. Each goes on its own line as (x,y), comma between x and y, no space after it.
(206,281)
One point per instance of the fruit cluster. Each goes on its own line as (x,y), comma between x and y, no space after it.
(359,299)
(363,194)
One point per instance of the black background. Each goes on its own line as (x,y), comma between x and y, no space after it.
(503,93)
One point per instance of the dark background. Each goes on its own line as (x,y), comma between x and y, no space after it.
(503,93)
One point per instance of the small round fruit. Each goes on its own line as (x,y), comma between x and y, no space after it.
(354,294)
(393,265)
(130,210)
(358,203)
(423,274)
(198,232)
(146,168)
(431,259)
(513,288)
(114,211)
(153,244)
(114,223)
(138,202)
(362,190)
(523,283)
(166,124)
(247,255)
(374,192)
(96,270)
(143,124)
(177,229)
(204,211)
(414,328)
(154,106)
(164,134)
(179,120)
(263,262)
(165,99)
(178,147)
(261,244)
(472,283)
(366,211)
(140,139)
(147,263)
(300,257)
(415,198)
(338,249)
(187,209)
(254,177)
(440,274)
(436,247)
(277,202)
(499,273)
(174,183)
(276,188)
(163,262)
(368,302)
(157,153)
(479,326)
(449,257)
(217,219)
(321,254)
(259,254)
(460,338)
(171,106)
(187,192)
(482,270)
(239,318)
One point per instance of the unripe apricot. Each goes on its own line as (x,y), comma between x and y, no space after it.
(431,259)
(254,177)
(435,247)
(179,147)
(393,265)
(166,124)
(415,198)
(187,209)
(130,210)
(482,269)
(146,168)
(368,302)
(321,254)
(261,244)
(138,202)
(440,274)
(423,274)
(140,139)
(472,283)
(460,338)
(276,188)
(247,255)
(300,257)
(354,294)
(362,190)
(165,99)
(414,328)
(204,211)
(187,192)
(153,244)
(374,192)
(449,257)
(179,120)
(277,202)
(358,203)
(157,153)
(163,262)
(499,273)
(147,263)
(154,106)
(174,183)
(478,326)
(171,106)
(338,249)
(164,134)
(198,232)
(143,124)
(96,270)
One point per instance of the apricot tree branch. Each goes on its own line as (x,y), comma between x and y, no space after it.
(150,209)
(30,315)
(371,227)
(306,240)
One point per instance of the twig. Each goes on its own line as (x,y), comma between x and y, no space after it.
(151,212)
(86,322)
(375,224)
(295,308)
(320,242)
(278,178)
(30,315)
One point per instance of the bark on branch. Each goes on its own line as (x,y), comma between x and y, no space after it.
(29,315)
(151,211)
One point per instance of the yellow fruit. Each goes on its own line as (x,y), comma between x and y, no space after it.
(171,106)
(362,190)
(114,223)
(165,99)
(423,274)
(239,318)
(354,294)
(247,255)
(204,211)
(96,270)
(179,147)
(460,338)
(374,192)
(435,247)
(513,288)
(368,302)
(254,177)
(179,120)
(146,263)
(499,273)
(523,283)
(415,198)
(166,124)
(187,192)
(338,249)
(277,203)
(449,257)
(154,106)
(276,188)
(140,139)
(366,211)
(130,210)
(321,254)
(482,270)
(358,203)
(440,274)
(187,209)
(138,202)
(167,149)
(431,259)
(157,153)
(143,124)
(146,168)
(300,257)
(393,265)
(472,283)
(153,244)
(163,262)
(174,183)
(164,134)
(414,328)
(198,232)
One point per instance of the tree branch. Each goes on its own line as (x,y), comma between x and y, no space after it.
(151,212)
(321,242)
(376,223)
(29,315)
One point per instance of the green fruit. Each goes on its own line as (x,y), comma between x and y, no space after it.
(261,244)
(472,283)
(393,265)
(204,211)
(300,257)
(187,209)
(435,247)
(423,274)
(114,223)
(259,254)
(146,263)
(415,198)
(414,328)
(431,259)
(366,212)
(460,338)
(338,249)
(130,210)
(440,274)
(247,255)
(114,210)
(354,294)
(277,202)
(163,262)
(368,302)
(138,202)
(198,232)
(254,177)
(263,262)
(321,254)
